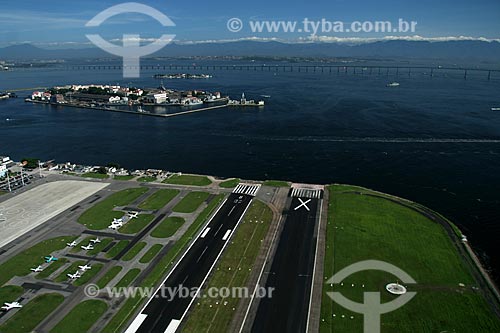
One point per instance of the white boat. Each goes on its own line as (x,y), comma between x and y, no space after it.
(495,109)
(393,84)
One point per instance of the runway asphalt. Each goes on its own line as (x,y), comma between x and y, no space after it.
(192,270)
(291,273)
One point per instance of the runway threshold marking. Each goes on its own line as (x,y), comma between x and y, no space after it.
(205,233)
(136,323)
(172,327)
(226,235)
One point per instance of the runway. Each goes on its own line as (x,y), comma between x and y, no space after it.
(291,271)
(30,209)
(163,315)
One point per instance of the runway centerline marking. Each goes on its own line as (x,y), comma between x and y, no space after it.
(200,257)
(303,204)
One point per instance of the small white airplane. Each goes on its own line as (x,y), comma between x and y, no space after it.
(10,306)
(133,215)
(116,221)
(85,267)
(88,247)
(74,276)
(95,241)
(37,269)
(49,259)
(115,226)
(72,244)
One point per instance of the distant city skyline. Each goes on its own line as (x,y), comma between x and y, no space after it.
(62,23)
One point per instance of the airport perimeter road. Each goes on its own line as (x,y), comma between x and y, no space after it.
(291,272)
(164,314)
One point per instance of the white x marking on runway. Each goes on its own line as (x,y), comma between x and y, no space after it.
(303,203)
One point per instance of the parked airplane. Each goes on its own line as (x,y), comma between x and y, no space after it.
(50,259)
(97,240)
(74,276)
(115,226)
(88,247)
(133,215)
(10,306)
(85,267)
(72,244)
(116,221)
(37,269)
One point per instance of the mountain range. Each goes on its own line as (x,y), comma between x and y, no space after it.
(464,50)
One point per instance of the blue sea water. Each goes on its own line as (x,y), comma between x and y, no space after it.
(433,139)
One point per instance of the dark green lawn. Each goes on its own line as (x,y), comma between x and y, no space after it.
(70,270)
(81,318)
(128,278)
(135,225)
(132,253)
(361,227)
(230,183)
(101,214)
(151,253)
(51,268)
(113,252)
(10,293)
(168,227)
(88,275)
(95,175)
(146,179)
(159,199)
(110,275)
(191,202)
(188,180)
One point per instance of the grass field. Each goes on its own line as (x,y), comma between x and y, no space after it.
(10,293)
(113,252)
(100,246)
(159,199)
(215,314)
(146,179)
(51,268)
(70,270)
(101,214)
(168,227)
(117,323)
(132,253)
(361,227)
(110,275)
(30,315)
(128,278)
(88,275)
(81,318)
(188,180)
(276,183)
(191,202)
(2,192)
(151,253)
(95,175)
(129,177)
(135,225)
(230,183)
(21,264)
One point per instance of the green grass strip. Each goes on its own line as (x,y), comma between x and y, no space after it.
(82,317)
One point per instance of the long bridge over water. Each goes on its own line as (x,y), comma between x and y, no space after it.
(332,69)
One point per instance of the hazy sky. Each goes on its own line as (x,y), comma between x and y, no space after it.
(58,22)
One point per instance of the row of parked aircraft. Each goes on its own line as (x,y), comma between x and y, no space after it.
(118,223)
(78,274)
(88,247)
